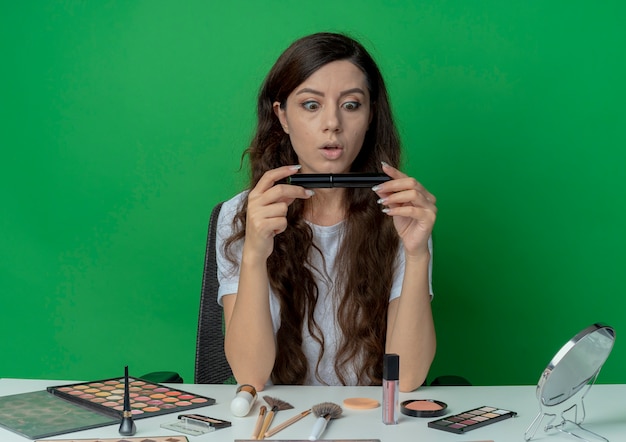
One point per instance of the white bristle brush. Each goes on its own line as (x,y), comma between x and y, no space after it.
(324,412)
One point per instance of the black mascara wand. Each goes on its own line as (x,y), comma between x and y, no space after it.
(127,427)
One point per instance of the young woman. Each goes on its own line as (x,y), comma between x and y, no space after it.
(317,285)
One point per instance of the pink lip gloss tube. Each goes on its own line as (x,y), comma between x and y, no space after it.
(391,376)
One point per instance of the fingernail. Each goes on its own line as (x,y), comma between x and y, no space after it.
(309,192)
(377,187)
(296,167)
(386,210)
(382,201)
(384,163)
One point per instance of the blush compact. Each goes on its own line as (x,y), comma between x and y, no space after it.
(423,408)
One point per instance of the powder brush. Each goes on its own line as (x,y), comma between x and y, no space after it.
(324,412)
(276,405)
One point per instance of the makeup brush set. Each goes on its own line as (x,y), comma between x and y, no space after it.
(324,412)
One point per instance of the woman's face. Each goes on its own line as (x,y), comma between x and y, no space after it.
(327,117)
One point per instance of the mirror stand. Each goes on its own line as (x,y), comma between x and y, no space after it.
(565,418)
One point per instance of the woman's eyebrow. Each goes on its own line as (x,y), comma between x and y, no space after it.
(354,90)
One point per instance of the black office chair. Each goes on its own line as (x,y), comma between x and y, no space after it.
(211,364)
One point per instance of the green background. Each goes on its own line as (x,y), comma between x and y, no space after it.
(122,123)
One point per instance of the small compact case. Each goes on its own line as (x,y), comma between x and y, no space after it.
(423,408)
(471,419)
(196,424)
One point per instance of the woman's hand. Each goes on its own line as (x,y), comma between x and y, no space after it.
(412,207)
(267,210)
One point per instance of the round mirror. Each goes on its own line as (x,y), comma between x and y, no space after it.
(575,365)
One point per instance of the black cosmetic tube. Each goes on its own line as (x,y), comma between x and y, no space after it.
(326,180)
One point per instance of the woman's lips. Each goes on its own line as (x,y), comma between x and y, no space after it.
(331,152)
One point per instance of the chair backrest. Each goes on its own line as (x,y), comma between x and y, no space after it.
(211,365)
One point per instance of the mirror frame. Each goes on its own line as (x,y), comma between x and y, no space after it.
(585,377)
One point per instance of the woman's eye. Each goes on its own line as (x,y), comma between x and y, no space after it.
(351,105)
(311,105)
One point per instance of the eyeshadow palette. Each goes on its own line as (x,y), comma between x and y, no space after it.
(146,398)
(471,419)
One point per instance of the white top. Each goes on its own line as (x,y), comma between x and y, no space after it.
(327,239)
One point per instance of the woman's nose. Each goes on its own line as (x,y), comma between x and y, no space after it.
(332,119)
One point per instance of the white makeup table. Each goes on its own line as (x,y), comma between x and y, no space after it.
(605,414)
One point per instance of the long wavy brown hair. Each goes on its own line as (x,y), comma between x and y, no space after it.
(370,242)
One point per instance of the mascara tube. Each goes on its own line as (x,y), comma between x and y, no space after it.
(326,180)
(391,380)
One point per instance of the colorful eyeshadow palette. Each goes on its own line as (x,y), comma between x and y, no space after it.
(146,398)
(472,419)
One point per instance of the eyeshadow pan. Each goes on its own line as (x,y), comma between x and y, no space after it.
(471,419)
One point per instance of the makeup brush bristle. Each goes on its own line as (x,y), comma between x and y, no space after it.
(277,404)
(328,410)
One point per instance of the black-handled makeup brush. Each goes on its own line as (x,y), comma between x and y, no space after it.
(324,412)
(127,427)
